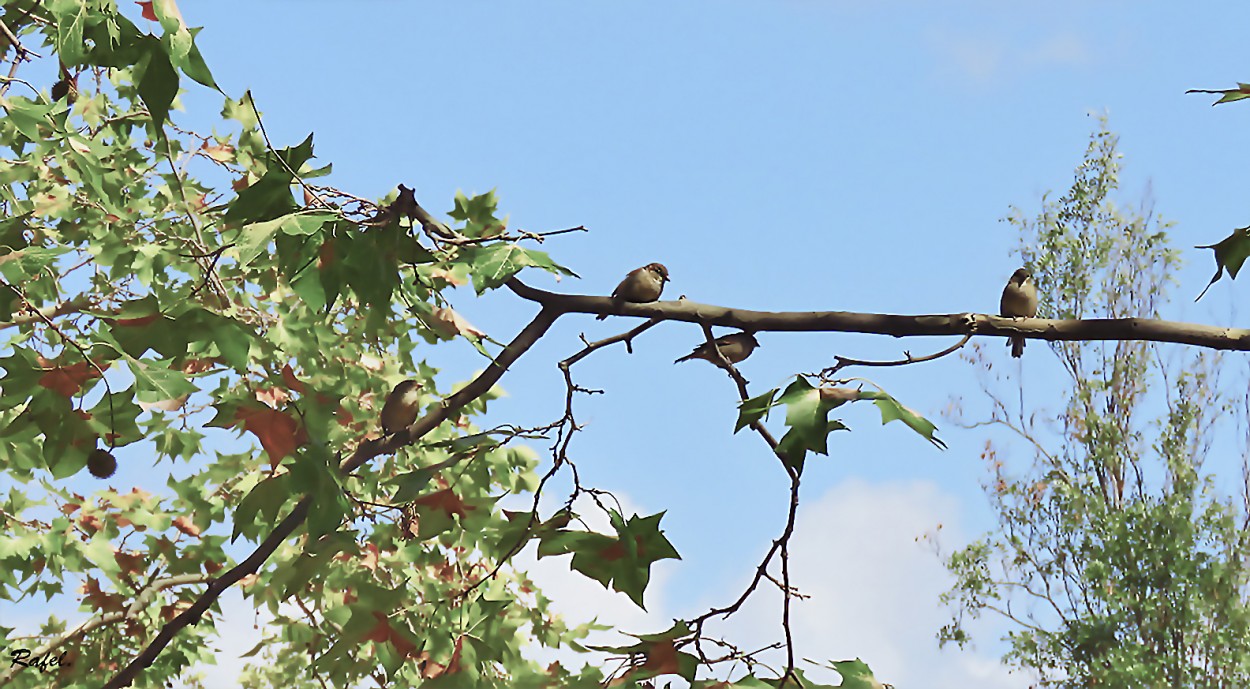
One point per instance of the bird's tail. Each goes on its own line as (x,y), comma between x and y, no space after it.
(688,357)
(1017,346)
(615,300)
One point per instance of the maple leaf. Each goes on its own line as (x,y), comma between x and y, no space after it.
(68,380)
(98,599)
(278,433)
(662,660)
(325,254)
(445,500)
(129,562)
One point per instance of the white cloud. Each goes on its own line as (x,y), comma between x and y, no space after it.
(873,588)
(990,56)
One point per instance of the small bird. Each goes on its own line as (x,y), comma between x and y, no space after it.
(400,409)
(735,347)
(1019,301)
(641,285)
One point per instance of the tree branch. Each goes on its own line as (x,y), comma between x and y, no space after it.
(1210,336)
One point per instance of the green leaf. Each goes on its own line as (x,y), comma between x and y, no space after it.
(264,501)
(114,416)
(855,674)
(157,82)
(20,266)
(270,197)
(27,116)
(158,383)
(194,65)
(892,409)
(807,415)
(623,562)
(754,409)
(491,266)
(1230,254)
(410,484)
(254,238)
(69,43)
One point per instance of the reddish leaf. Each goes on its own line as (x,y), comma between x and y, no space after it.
(129,562)
(148,12)
(662,659)
(136,322)
(445,500)
(288,376)
(186,526)
(278,433)
(194,366)
(99,600)
(382,632)
(325,255)
(90,523)
(68,380)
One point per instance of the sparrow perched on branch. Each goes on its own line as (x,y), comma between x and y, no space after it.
(1019,301)
(400,409)
(735,347)
(641,285)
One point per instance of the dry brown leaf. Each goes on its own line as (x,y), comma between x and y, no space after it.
(449,323)
(164,405)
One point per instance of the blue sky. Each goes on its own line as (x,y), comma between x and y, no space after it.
(793,155)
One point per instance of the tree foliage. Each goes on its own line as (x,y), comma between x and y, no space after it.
(1118,563)
(198,299)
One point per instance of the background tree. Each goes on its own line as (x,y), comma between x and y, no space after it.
(1118,563)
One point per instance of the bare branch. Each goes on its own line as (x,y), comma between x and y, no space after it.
(1210,336)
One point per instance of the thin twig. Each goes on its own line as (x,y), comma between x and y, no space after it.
(844,361)
(274,151)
